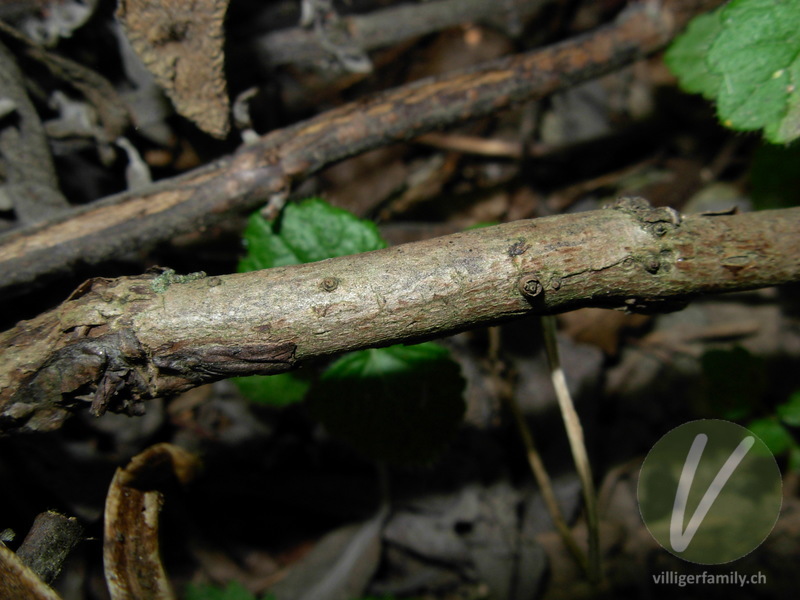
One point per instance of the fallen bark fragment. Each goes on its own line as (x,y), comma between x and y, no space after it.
(118,342)
(131,556)
(181,44)
(48,544)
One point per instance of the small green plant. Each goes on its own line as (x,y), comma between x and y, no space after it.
(745,56)
(774,430)
(399,404)
(735,385)
(306,232)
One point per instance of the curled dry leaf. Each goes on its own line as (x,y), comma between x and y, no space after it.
(131,556)
(181,43)
(18,582)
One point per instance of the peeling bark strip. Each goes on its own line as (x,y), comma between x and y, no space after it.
(131,557)
(116,343)
(122,223)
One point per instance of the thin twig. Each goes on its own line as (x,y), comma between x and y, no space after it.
(540,474)
(546,485)
(470,144)
(577,444)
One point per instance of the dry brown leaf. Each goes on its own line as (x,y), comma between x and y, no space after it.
(600,327)
(18,582)
(181,43)
(131,556)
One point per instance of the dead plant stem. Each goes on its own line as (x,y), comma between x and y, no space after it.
(577,445)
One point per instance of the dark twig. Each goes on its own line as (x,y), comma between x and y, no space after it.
(48,544)
(268,169)
(301,46)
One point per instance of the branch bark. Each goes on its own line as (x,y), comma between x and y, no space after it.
(392,25)
(50,541)
(129,222)
(116,343)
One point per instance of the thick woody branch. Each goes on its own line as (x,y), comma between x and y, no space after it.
(123,223)
(392,25)
(116,343)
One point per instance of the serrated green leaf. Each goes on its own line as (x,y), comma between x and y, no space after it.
(265,248)
(789,411)
(400,404)
(788,128)
(307,231)
(773,434)
(757,54)
(315,230)
(282,389)
(751,67)
(686,55)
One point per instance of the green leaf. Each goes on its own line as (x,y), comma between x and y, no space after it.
(282,389)
(400,404)
(686,56)
(307,231)
(748,61)
(789,411)
(794,458)
(773,434)
(757,53)
(265,248)
(233,591)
